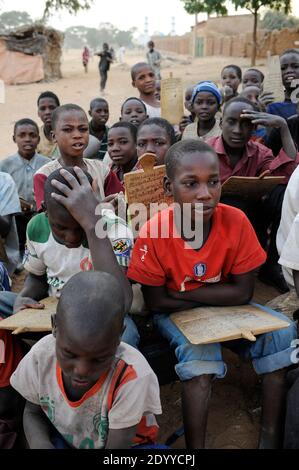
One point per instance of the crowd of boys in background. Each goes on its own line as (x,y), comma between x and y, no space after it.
(87,385)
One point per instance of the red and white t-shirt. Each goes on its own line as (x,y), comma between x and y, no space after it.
(231,248)
(127,395)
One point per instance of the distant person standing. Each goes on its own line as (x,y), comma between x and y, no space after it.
(121,54)
(85,58)
(154,59)
(104,65)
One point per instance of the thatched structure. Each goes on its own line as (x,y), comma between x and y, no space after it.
(31,54)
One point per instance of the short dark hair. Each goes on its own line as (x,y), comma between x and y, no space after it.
(48,94)
(257,71)
(176,153)
(239,99)
(289,51)
(85,310)
(25,122)
(160,122)
(56,175)
(126,125)
(63,109)
(94,102)
(136,67)
(236,68)
(133,98)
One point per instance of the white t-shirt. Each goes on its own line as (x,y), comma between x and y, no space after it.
(44,255)
(289,257)
(85,423)
(152,111)
(290,209)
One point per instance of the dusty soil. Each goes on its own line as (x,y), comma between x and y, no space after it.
(78,87)
(235,404)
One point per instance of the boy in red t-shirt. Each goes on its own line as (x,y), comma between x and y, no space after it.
(179,272)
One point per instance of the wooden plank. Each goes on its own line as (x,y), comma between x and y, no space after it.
(206,325)
(250,187)
(172,107)
(273,81)
(146,186)
(30,319)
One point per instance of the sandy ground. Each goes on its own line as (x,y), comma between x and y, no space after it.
(78,87)
(235,404)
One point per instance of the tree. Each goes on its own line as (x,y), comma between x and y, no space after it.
(11,20)
(254,7)
(72,6)
(205,6)
(77,36)
(278,20)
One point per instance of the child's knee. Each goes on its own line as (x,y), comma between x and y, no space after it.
(196,360)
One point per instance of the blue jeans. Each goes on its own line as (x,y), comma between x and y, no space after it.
(270,352)
(130,335)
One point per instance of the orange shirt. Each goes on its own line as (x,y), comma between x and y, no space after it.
(231,248)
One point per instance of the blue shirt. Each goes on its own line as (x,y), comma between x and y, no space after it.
(10,205)
(22,171)
(284,109)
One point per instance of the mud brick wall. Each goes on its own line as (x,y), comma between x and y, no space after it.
(177,44)
(227,46)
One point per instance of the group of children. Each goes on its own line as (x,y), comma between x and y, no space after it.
(87,385)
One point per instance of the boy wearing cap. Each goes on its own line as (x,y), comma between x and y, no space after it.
(205,103)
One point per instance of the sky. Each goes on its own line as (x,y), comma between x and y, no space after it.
(123,14)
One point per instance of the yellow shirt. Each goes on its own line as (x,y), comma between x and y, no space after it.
(191,132)
(47,148)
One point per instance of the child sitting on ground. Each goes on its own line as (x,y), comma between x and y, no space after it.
(133,110)
(21,167)
(240,156)
(255,78)
(273,140)
(99,112)
(100,393)
(70,131)
(158,90)
(179,272)
(66,239)
(231,76)
(155,135)
(47,102)
(122,148)
(144,79)
(289,65)
(186,120)
(206,101)
(9,208)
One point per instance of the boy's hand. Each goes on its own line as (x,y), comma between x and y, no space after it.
(79,199)
(266,98)
(263,119)
(185,121)
(227,91)
(174,294)
(26,302)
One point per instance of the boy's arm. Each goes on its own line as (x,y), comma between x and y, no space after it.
(5,224)
(82,204)
(158,299)
(296,281)
(274,121)
(37,427)
(35,288)
(121,438)
(236,292)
